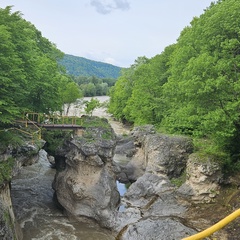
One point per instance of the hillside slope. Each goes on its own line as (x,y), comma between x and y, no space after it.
(79,66)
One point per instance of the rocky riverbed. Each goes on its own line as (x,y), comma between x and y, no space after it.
(36,212)
(172,193)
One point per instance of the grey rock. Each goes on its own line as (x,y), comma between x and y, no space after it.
(147,186)
(166,154)
(157,153)
(139,133)
(9,228)
(166,205)
(86,187)
(125,146)
(203,179)
(165,228)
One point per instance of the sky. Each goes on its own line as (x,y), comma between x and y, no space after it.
(111,31)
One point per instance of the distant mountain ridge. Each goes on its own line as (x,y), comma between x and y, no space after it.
(79,66)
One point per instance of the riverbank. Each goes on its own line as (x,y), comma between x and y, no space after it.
(32,197)
(200,216)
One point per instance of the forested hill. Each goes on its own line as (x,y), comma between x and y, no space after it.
(79,66)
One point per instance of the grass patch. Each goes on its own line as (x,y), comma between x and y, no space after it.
(180,180)
(88,121)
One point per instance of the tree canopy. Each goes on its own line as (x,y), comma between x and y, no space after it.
(193,86)
(94,86)
(30,76)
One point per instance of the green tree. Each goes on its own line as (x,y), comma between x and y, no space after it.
(205,71)
(146,104)
(10,70)
(29,69)
(121,92)
(89,90)
(69,92)
(91,105)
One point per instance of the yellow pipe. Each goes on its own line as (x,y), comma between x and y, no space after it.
(215,227)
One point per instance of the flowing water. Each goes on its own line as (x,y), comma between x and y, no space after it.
(36,212)
(32,197)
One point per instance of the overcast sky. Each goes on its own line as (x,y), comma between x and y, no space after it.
(112,31)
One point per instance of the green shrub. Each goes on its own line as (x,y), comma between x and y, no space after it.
(6,169)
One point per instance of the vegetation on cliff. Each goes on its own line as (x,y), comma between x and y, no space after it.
(192,87)
(6,170)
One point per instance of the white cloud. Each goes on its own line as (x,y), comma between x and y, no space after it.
(107,6)
(110,61)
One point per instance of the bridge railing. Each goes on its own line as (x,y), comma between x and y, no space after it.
(41,118)
(209,231)
(39,131)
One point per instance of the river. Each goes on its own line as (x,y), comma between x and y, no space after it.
(32,195)
(78,110)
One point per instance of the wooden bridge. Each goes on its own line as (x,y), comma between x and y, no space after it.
(54,121)
(59,126)
(49,122)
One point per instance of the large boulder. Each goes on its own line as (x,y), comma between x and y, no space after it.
(152,211)
(156,153)
(163,228)
(146,187)
(86,188)
(167,154)
(204,176)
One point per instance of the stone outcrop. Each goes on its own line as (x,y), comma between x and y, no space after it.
(154,208)
(150,206)
(86,187)
(162,153)
(9,228)
(203,179)
(11,161)
(156,153)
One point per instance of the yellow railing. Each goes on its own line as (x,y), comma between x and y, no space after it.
(37,119)
(39,131)
(41,118)
(209,231)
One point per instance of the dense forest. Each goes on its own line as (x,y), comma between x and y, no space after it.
(79,66)
(94,86)
(192,87)
(31,80)
(94,78)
